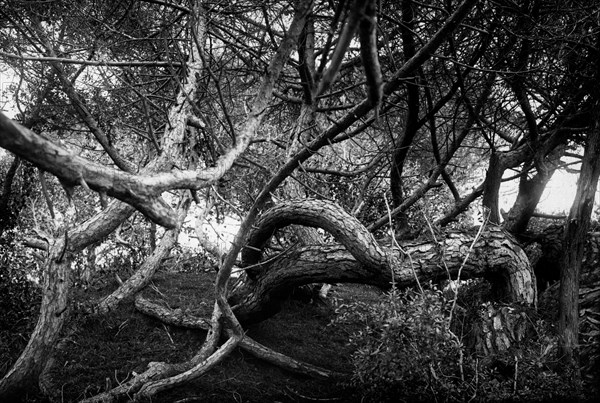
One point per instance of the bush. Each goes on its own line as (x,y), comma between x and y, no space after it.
(406,350)
(19,296)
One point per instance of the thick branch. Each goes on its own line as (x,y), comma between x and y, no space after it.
(74,170)
(495,255)
(315,213)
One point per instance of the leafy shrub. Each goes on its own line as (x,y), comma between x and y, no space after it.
(406,350)
(19,296)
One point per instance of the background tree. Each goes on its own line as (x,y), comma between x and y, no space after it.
(141,108)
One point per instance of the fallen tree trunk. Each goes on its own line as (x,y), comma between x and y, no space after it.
(358,258)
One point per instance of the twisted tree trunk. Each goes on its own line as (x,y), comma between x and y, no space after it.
(359,258)
(53,314)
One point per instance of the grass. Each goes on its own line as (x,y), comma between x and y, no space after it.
(101,352)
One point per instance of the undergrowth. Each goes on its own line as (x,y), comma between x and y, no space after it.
(406,351)
(397,346)
(19,299)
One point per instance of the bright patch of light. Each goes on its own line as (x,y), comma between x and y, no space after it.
(214,233)
(556,199)
(33,279)
(559,194)
(8,81)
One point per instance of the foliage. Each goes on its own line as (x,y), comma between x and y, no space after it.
(19,295)
(102,79)
(406,351)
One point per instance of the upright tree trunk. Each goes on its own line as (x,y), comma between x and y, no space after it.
(530,191)
(411,128)
(491,187)
(576,228)
(53,314)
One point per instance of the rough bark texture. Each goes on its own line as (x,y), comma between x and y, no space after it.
(402,146)
(530,192)
(501,327)
(72,168)
(359,258)
(576,228)
(53,313)
(212,355)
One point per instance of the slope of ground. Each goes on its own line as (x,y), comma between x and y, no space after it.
(101,352)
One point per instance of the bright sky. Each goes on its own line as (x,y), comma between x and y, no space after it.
(556,199)
(6,104)
(559,193)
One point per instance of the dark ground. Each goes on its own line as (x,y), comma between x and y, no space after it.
(101,352)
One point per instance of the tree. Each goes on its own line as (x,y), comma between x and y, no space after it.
(163,111)
(576,228)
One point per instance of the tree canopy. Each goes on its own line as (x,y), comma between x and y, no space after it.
(326,128)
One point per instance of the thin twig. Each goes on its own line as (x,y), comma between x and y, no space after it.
(516,375)
(397,245)
(477,236)
(168,334)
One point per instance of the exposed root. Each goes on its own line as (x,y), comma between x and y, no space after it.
(182,319)
(162,376)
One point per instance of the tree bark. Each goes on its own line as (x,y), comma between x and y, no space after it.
(491,187)
(499,328)
(402,147)
(359,258)
(214,355)
(530,192)
(53,314)
(76,170)
(145,272)
(576,228)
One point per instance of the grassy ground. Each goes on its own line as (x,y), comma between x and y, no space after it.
(101,352)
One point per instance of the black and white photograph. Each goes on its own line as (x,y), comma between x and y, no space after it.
(328,201)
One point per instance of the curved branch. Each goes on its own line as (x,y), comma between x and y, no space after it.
(329,216)
(360,259)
